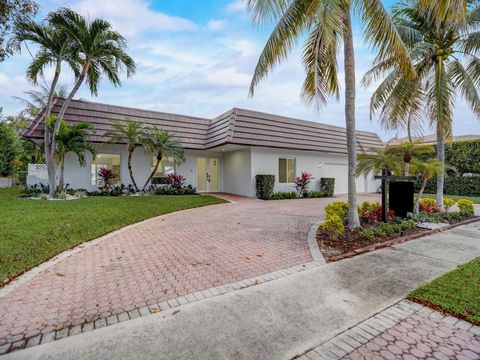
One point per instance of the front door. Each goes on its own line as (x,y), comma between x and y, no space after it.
(208,174)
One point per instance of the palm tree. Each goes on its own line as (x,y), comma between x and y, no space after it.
(426,169)
(408,150)
(130,132)
(93,50)
(73,139)
(163,145)
(377,159)
(328,24)
(445,56)
(36,100)
(54,48)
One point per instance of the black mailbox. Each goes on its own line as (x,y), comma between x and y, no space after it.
(401,195)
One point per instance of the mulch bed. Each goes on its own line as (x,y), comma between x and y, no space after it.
(353,243)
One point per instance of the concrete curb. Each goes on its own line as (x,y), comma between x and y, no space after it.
(313,245)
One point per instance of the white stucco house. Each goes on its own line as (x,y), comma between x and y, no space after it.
(222,154)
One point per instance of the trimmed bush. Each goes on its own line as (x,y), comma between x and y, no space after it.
(465,207)
(338,208)
(327,186)
(333,226)
(264,186)
(448,203)
(281,195)
(313,194)
(454,185)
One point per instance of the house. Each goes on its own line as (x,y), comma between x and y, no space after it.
(222,154)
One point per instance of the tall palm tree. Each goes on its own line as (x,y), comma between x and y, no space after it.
(408,150)
(164,145)
(94,51)
(54,48)
(445,57)
(377,159)
(130,132)
(73,139)
(328,24)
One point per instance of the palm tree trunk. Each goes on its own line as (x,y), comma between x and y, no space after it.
(152,173)
(49,160)
(416,209)
(353,218)
(441,172)
(64,107)
(61,184)
(130,152)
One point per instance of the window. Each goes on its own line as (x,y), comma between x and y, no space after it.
(166,166)
(286,170)
(109,161)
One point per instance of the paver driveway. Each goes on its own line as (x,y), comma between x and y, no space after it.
(160,259)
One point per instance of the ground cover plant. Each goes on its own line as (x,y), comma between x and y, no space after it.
(33,231)
(456,293)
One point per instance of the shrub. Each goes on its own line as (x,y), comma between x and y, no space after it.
(465,207)
(333,226)
(168,190)
(369,233)
(448,203)
(106,178)
(338,208)
(371,213)
(425,217)
(408,225)
(281,195)
(327,186)
(62,195)
(35,190)
(429,206)
(264,186)
(455,185)
(313,194)
(80,194)
(43,196)
(452,217)
(302,181)
(176,181)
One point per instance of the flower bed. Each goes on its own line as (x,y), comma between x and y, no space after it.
(337,242)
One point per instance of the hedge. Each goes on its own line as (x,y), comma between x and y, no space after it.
(454,185)
(327,186)
(463,155)
(264,186)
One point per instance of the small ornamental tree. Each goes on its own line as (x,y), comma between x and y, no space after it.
(176,181)
(302,181)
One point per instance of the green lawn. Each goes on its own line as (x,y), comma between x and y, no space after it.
(32,231)
(456,293)
(475,199)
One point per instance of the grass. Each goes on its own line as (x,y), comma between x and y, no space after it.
(32,231)
(456,293)
(475,199)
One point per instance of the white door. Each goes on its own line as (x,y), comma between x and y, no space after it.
(208,174)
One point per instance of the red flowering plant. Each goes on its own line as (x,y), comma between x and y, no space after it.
(302,181)
(175,181)
(105,179)
(371,213)
(429,206)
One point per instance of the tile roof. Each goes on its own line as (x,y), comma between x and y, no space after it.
(432,139)
(236,126)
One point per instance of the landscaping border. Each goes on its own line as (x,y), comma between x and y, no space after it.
(398,240)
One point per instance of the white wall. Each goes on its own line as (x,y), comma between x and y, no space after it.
(189,167)
(237,172)
(265,161)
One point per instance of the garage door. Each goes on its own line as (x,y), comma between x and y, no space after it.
(339,172)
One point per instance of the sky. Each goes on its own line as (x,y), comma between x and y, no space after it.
(197,58)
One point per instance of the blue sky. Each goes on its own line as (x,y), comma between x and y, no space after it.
(197,58)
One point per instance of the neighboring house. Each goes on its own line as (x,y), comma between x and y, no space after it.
(222,154)
(432,139)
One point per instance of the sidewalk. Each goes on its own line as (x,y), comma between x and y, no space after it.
(279,319)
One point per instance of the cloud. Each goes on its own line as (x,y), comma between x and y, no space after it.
(133,17)
(243,46)
(235,6)
(216,25)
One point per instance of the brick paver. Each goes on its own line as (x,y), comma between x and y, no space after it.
(161,259)
(404,331)
(422,336)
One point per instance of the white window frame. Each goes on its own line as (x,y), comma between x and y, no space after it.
(96,172)
(153,162)
(286,158)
